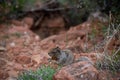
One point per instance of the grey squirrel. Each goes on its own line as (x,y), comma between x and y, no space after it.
(62,57)
(65,57)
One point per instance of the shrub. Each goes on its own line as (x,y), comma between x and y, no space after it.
(111,59)
(109,63)
(43,73)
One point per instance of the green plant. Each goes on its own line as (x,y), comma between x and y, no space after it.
(17,34)
(5,37)
(13,9)
(110,60)
(10,6)
(109,63)
(43,73)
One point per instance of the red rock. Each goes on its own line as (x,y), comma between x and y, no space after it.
(51,26)
(17,29)
(29,21)
(18,67)
(17,23)
(3,75)
(26,22)
(22,59)
(78,71)
(13,73)
(72,40)
(36,58)
(2,63)
(57,22)
(104,75)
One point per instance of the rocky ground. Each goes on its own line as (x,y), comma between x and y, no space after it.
(23,49)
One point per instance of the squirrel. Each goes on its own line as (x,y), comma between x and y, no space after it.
(62,57)
(65,57)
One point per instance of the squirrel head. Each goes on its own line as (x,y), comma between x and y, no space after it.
(55,53)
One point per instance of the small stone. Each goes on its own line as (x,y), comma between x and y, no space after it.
(12,44)
(81,76)
(2,49)
(37,38)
